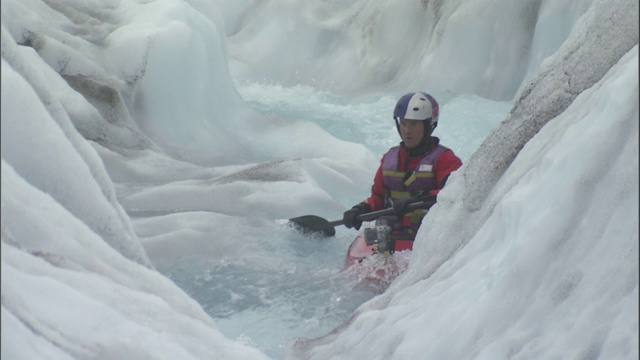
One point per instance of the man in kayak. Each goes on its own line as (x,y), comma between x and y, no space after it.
(414,171)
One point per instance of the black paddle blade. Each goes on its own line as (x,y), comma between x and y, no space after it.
(311,224)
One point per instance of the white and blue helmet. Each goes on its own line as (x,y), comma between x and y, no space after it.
(418,106)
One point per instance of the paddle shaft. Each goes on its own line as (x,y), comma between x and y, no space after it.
(316,224)
(390,211)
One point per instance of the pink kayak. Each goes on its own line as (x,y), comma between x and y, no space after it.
(358,250)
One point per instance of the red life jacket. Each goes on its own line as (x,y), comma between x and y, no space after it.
(401,185)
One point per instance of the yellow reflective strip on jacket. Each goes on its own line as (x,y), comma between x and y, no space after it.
(402,174)
(399,194)
(399,174)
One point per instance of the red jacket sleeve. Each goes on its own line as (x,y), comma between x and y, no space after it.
(378,191)
(447,163)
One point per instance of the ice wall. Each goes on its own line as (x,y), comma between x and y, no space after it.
(115,55)
(54,157)
(442,46)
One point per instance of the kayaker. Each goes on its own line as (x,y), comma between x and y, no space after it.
(416,169)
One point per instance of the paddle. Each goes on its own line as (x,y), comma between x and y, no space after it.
(311,224)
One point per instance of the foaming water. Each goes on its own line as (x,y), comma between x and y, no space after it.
(365,120)
(290,286)
(465,120)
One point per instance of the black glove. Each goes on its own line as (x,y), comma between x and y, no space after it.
(400,207)
(350,217)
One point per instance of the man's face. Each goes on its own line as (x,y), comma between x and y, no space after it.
(412,132)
